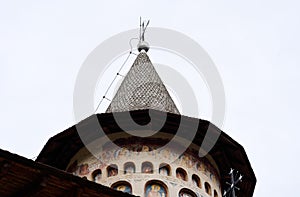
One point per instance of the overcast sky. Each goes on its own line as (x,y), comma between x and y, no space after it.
(254,44)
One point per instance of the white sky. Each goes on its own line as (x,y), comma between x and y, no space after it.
(254,44)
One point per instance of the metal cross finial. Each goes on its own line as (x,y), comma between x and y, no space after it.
(143,45)
(236,177)
(143,28)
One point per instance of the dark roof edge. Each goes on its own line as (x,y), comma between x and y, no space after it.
(14,158)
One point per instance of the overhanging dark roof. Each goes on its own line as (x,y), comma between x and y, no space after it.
(226,152)
(23,177)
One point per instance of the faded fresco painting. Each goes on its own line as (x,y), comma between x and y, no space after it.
(155,190)
(124,188)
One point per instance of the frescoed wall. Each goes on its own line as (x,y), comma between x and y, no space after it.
(138,164)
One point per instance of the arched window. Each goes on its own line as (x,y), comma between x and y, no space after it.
(156,188)
(97,174)
(207,188)
(196,180)
(112,170)
(147,167)
(164,169)
(181,174)
(122,186)
(215,193)
(129,168)
(186,193)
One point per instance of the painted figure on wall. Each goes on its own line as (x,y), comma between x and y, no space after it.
(147,168)
(124,188)
(189,161)
(112,171)
(180,175)
(164,171)
(200,167)
(165,153)
(155,190)
(105,157)
(84,169)
(97,174)
(145,149)
(129,169)
(97,177)
(123,152)
(195,182)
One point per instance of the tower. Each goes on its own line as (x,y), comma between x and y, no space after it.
(150,166)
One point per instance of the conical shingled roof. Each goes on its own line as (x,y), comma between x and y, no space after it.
(142,88)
